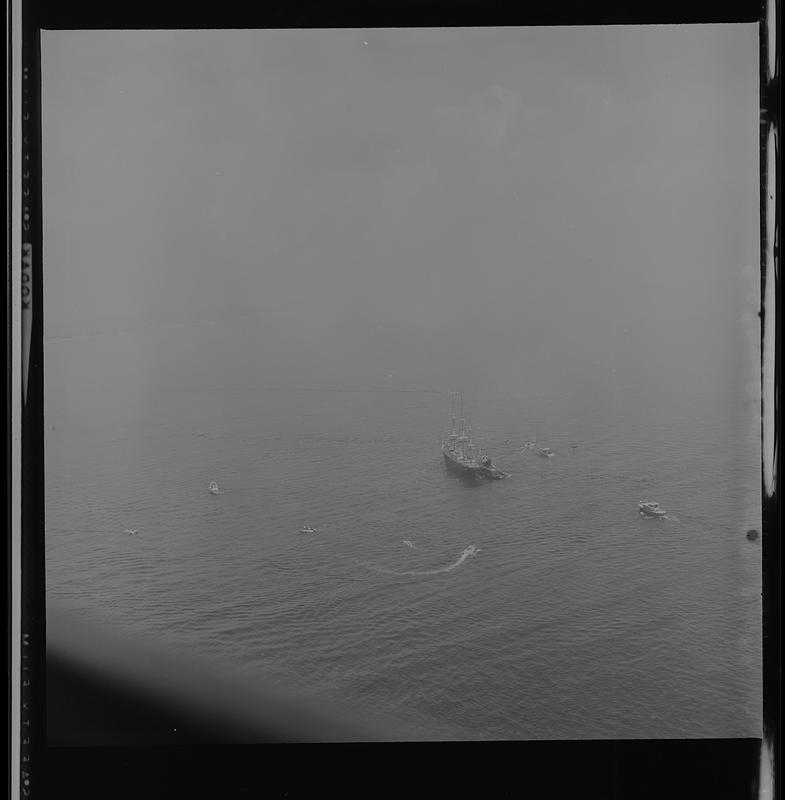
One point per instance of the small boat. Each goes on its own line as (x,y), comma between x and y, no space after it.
(307,529)
(213,488)
(546,452)
(650,509)
(573,445)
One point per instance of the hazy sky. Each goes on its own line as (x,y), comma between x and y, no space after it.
(548,202)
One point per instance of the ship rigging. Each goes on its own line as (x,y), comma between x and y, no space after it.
(460,453)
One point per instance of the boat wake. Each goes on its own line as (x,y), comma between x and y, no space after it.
(663,518)
(471,550)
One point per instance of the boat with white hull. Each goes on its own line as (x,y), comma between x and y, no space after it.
(650,509)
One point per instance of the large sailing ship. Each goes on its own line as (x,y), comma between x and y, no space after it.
(461,454)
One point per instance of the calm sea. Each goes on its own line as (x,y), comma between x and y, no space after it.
(575,617)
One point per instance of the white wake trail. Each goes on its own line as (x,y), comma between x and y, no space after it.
(471,550)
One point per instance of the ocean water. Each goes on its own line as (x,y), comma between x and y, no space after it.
(573,618)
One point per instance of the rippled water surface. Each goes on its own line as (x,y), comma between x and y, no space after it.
(573,617)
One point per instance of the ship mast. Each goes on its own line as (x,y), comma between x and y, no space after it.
(462,438)
(452,436)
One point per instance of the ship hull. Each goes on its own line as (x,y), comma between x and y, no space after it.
(472,473)
(463,470)
(460,469)
(649,512)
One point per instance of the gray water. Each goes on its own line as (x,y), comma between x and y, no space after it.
(574,617)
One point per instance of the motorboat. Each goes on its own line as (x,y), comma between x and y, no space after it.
(307,529)
(650,509)
(546,452)
(213,488)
